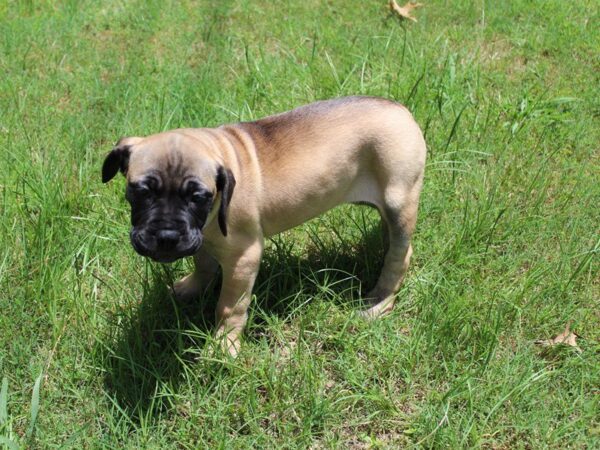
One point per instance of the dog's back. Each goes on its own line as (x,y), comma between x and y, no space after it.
(330,152)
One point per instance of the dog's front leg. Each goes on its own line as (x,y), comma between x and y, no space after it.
(239,273)
(191,285)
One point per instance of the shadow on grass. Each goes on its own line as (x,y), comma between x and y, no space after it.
(150,346)
(341,268)
(155,343)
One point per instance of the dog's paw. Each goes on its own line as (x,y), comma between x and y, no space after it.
(377,306)
(231,347)
(229,342)
(187,288)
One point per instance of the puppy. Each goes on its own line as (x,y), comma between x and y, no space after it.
(217,193)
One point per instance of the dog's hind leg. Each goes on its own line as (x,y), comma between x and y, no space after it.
(191,285)
(385,235)
(400,223)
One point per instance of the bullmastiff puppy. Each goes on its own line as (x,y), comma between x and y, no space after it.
(217,193)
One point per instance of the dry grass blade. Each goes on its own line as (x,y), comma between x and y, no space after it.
(404,11)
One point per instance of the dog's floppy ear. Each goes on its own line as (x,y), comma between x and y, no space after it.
(118,158)
(225,185)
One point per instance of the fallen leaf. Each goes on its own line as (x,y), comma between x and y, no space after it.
(567,337)
(404,11)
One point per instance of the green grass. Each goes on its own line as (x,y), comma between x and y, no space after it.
(506,249)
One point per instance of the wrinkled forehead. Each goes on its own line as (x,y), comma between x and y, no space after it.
(172,160)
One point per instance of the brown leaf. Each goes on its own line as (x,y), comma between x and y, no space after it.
(567,337)
(404,11)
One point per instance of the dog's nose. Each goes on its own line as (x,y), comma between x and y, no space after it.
(167,238)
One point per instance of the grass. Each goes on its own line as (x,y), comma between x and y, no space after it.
(94,353)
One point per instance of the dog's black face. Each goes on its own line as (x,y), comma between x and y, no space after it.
(167,221)
(172,189)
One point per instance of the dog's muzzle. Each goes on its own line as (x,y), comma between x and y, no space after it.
(165,245)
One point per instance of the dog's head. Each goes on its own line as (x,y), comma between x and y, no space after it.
(175,185)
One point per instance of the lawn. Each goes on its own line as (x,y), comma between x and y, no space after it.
(95,353)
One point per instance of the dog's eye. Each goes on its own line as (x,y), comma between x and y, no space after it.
(142,190)
(139,191)
(199,197)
